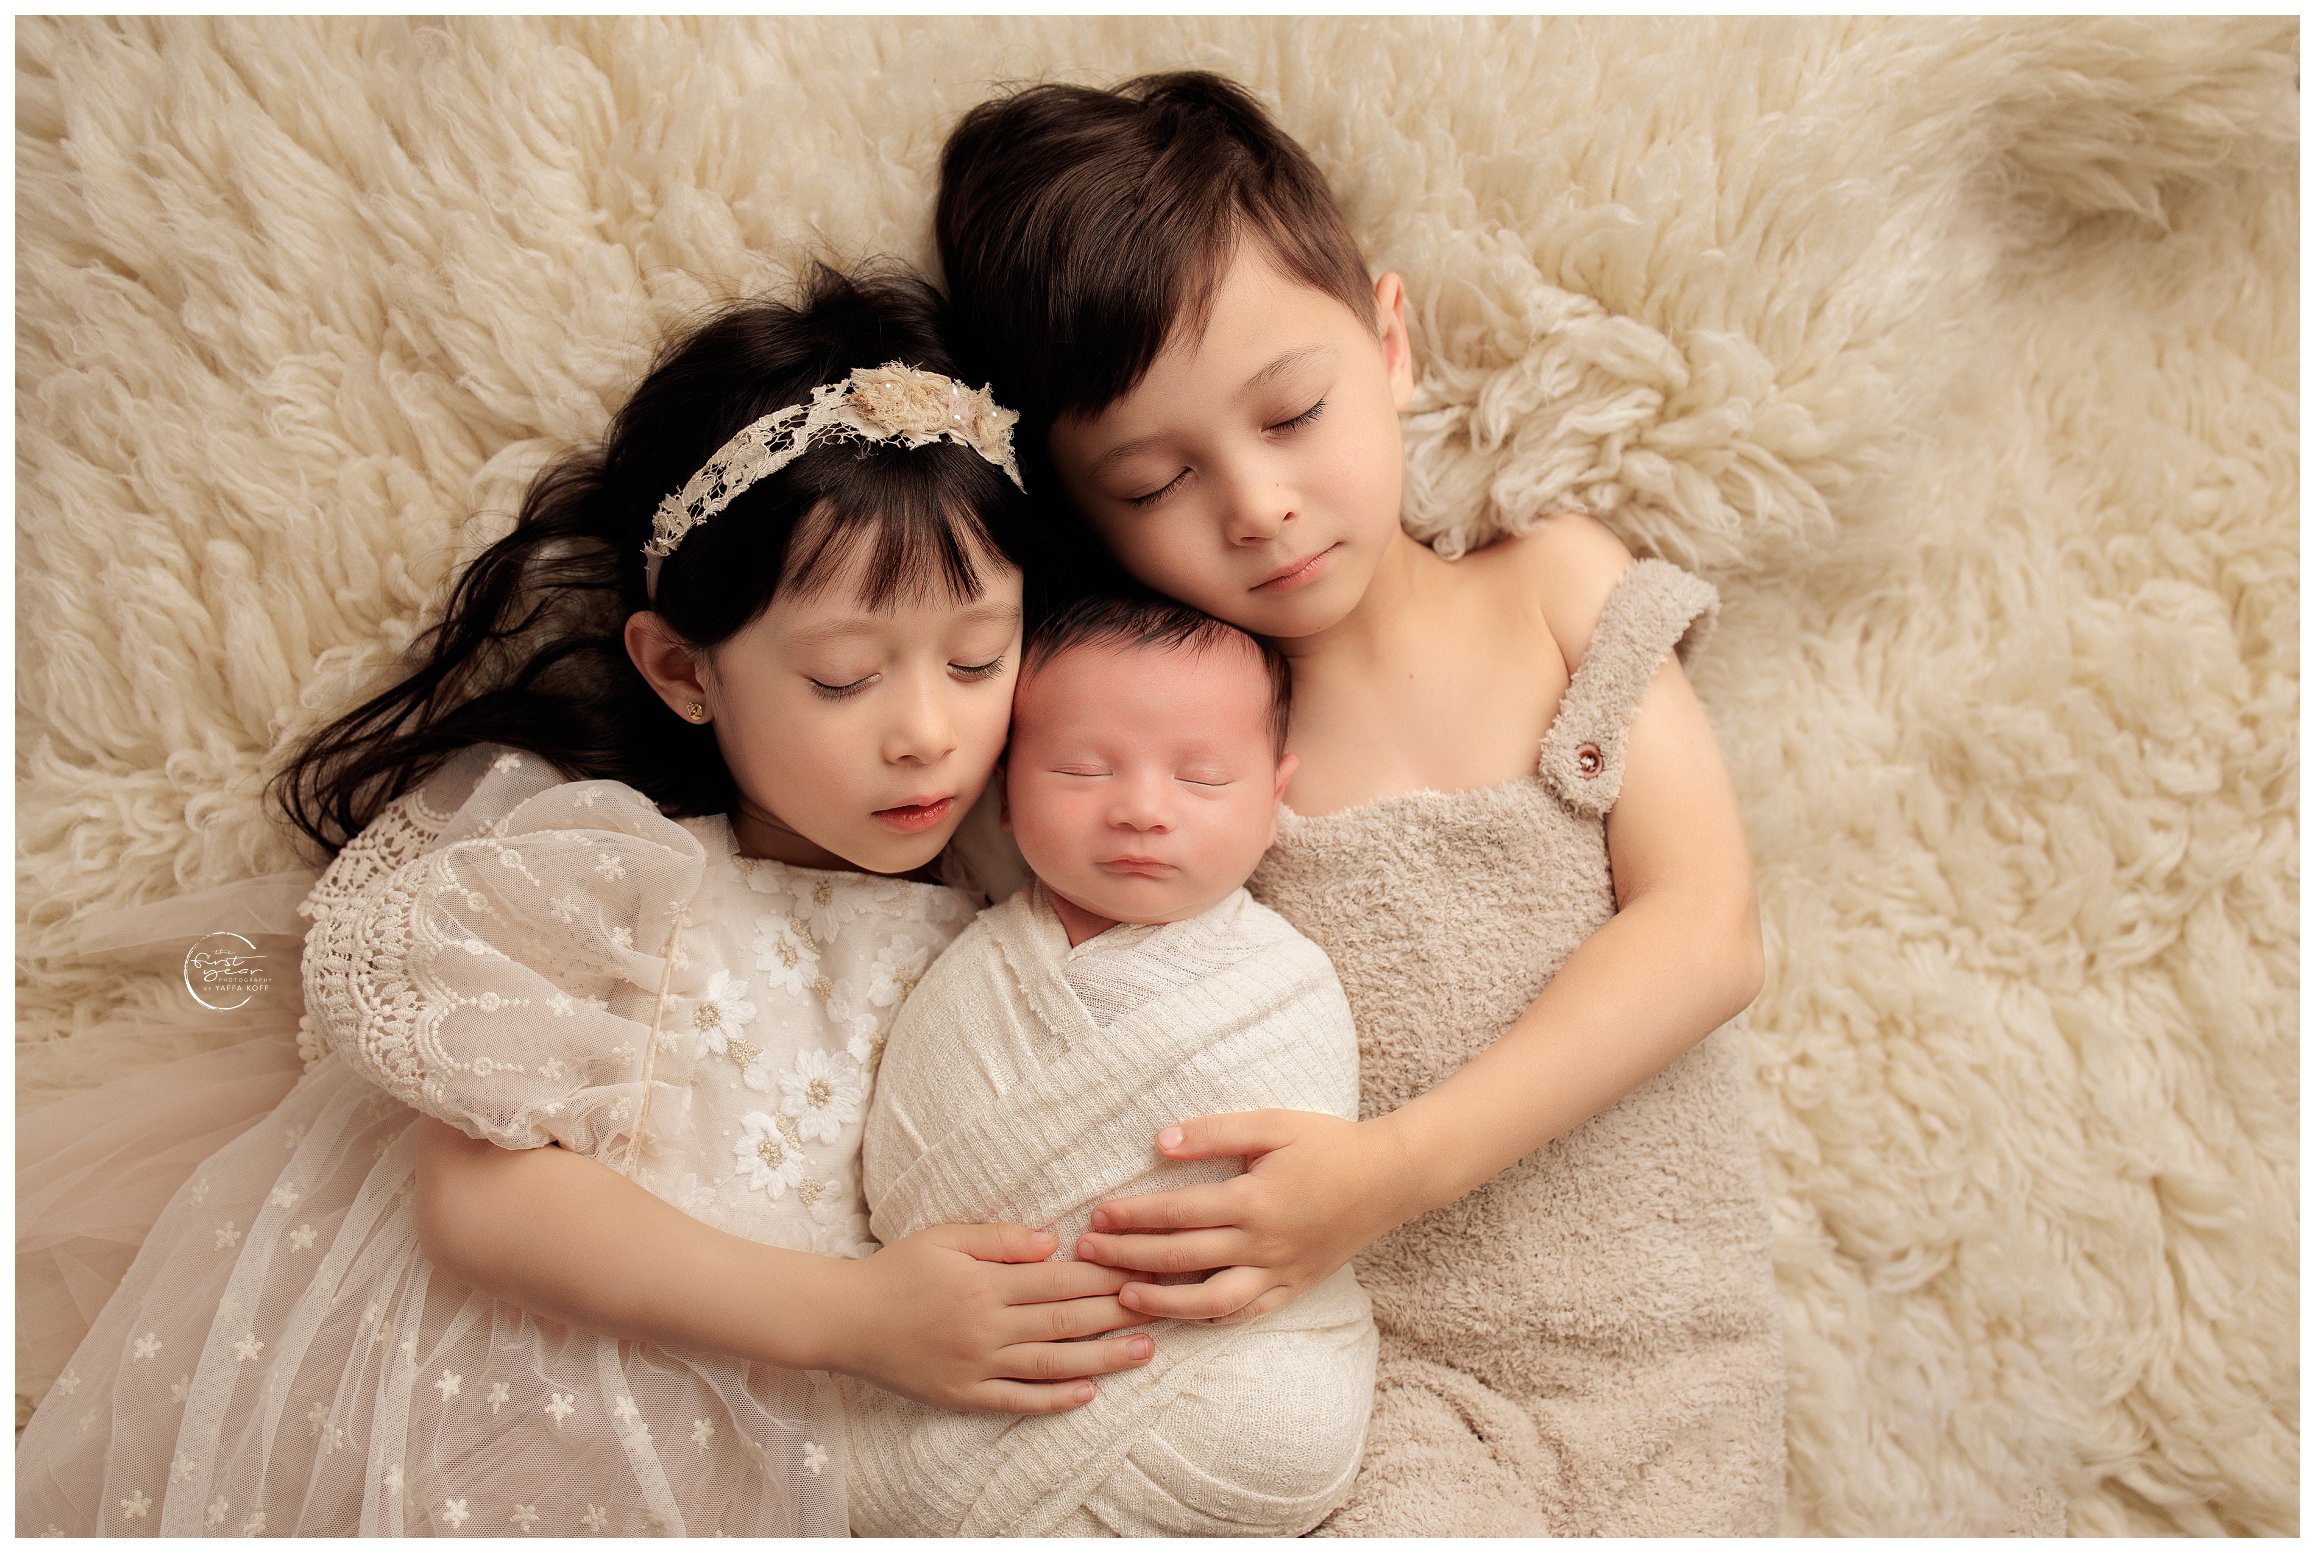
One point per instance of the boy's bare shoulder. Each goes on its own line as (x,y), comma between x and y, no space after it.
(1567,564)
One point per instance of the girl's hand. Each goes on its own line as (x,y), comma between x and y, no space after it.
(1316,1192)
(945,1317)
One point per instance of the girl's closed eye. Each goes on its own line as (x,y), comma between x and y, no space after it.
(838,692)
(989,670)
(1151,498)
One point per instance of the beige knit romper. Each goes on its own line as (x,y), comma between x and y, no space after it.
(1590,1342)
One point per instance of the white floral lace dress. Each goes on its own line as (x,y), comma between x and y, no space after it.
(535,961)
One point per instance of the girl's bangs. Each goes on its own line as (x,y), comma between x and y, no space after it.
(899,524)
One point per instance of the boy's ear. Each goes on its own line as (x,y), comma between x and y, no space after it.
(666,660)
(1391,329)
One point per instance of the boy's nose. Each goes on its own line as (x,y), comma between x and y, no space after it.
(1258,509)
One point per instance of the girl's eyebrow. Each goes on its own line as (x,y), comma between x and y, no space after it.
(873,625)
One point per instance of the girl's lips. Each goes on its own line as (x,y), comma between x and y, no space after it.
(1147,867)
(916,816)
(1296,576)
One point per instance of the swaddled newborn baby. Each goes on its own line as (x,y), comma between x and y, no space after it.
(1131,984)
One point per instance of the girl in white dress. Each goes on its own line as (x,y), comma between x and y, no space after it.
(634,864)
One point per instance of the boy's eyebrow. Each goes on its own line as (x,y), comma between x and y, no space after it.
(1285,362)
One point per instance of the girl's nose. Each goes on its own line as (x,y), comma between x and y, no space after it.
(922,732)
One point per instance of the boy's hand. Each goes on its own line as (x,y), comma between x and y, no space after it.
(943,1316)
(1316,1192)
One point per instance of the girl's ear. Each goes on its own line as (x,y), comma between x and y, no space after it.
(1391,329)
(668,662)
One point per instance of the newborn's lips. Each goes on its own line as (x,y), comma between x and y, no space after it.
(1147,867)
(922,814)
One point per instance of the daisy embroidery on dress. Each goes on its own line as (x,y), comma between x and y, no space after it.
(768,1162)
(823,1094)
(848,1006)
(826,909)
(899,965)
(785,956)
(723,1012)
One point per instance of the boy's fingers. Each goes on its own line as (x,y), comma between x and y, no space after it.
(1224,1294)
(1187,1251)
(1236,1132)
(1066,1361)
(1188,1207)
(1014,1396)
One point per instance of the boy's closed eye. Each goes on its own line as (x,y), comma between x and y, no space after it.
(1290,423)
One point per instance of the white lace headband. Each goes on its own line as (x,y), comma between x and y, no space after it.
(891,403)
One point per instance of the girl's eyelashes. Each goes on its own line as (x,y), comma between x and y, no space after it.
(1159,494)
(971,671)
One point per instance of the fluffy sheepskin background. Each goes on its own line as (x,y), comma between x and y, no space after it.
(1961,355)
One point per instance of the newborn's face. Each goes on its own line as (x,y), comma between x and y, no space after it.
(1141,782)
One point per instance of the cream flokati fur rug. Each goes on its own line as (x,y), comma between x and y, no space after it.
(1960,355)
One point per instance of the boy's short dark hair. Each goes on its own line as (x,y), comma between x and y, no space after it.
(1138,618)
(1080,229)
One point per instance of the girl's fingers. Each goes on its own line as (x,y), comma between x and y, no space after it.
(1187,1251)
(1225,1294)
(1013,1396)
(1059,1320)
(1069,1361)
(1214,1204)
(1060,1281)
(997,1242)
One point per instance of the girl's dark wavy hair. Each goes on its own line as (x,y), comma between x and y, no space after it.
(530,649)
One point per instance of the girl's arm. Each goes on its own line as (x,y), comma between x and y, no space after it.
(1680,957)
(941,1316)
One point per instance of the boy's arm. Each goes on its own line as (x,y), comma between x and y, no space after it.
(1681,956)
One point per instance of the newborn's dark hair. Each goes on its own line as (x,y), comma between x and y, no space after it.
(1139,618)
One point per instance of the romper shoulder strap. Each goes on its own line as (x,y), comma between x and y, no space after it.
(1655,608)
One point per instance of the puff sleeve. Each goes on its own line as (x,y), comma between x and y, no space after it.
(496,949)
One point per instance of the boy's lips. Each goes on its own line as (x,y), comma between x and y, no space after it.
(916,816)
(1296,574)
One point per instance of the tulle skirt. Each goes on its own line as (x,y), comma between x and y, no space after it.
(278,1357)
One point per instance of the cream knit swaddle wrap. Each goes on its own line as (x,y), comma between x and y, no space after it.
(1000,1097)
